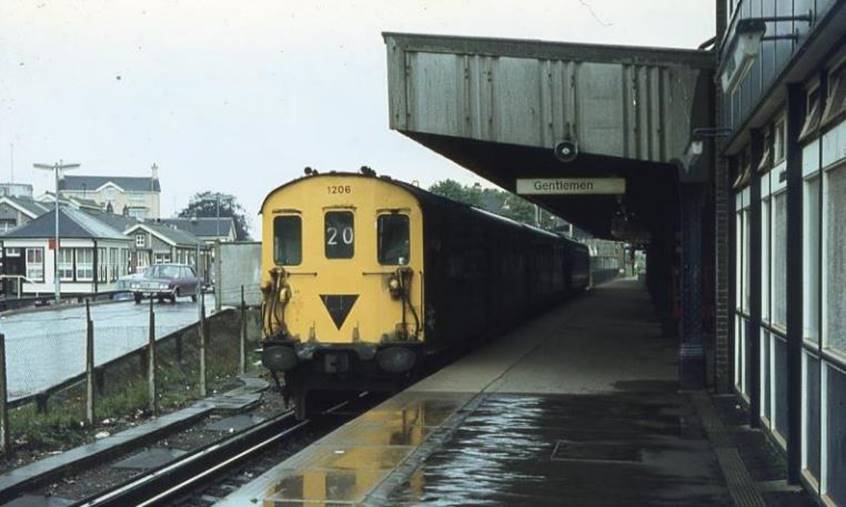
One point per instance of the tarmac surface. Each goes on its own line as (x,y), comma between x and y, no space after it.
(579,407)
(45,347)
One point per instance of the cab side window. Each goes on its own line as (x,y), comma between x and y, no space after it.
(393,238)
(339,238)
(288,240)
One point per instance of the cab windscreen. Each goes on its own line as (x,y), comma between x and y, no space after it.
(287,240)
(393,239)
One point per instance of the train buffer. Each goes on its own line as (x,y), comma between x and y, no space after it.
(581,406)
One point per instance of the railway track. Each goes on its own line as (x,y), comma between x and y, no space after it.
(207,474)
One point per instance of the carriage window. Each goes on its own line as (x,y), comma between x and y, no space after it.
(287,240)
(393,239)
(340,235)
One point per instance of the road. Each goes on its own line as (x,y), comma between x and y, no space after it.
(44,348)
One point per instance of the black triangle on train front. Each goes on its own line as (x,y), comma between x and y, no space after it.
(339,306)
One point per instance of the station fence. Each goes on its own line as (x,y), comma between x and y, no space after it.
(129,368)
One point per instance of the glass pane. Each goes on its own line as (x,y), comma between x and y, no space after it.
(779,268)
(811,415)
(745,254)
(765,260)
(340,235)
(835,249)
(835,435)
(811,253)
(738,259)
(765,374)
(779,365)
(287,240)
(393,239)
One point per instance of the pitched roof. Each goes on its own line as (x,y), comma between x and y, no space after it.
(29,206)
(167,233)
(128,183)
(203,227)
(72,224)
(113,220)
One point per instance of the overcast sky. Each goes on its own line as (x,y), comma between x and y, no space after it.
(239,96)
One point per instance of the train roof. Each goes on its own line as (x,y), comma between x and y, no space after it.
(426,197)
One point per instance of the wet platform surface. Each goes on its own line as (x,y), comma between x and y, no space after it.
(575,408)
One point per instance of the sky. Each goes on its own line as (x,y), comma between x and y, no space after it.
(239,96)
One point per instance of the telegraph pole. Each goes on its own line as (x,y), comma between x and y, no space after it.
(56,168)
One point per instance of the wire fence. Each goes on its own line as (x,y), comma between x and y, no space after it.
(72,360)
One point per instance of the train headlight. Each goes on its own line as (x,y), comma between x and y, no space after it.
(279,357)
(396,359)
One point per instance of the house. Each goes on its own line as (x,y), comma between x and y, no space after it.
(91,255)
(134,196)
(17,210)
(157,243)
(49,198)
(208,229)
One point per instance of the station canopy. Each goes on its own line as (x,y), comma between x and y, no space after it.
(568,122)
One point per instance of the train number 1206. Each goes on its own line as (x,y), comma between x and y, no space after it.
(339,189)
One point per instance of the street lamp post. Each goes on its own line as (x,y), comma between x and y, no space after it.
(56,168)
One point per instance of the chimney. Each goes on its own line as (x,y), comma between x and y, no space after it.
(154,171)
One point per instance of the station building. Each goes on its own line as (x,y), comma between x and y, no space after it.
(733,158)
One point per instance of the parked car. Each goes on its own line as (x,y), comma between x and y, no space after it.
(166,281)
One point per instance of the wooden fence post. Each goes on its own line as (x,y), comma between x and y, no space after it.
(151,361)
(89,365)
(242,346)
(202,333)
(5,431)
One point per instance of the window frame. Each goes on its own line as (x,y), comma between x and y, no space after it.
(140,240)
(340,235)
(64,266)
(379,237)
(299,221)
(80,268)
(40,263)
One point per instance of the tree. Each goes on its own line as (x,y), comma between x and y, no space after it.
(205,204)
(497,201)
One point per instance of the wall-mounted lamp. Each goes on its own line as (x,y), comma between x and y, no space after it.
(748,35)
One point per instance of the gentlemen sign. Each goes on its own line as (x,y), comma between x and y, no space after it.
(571,186)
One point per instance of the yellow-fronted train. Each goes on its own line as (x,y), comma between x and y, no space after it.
(367,279)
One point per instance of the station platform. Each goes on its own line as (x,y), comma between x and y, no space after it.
(578,407)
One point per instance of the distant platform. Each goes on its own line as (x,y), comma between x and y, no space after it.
(578,407)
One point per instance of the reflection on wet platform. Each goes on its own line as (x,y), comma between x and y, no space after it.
(345,466)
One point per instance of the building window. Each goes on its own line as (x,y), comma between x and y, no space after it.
(835,107)
(65,264)
(161,257)
(779,261)
(834,250)
(102,265)
(140,240)
(113,264)
(35,264)
(811,256)
(779,140)
(813,113)
(124,261)
(84,264)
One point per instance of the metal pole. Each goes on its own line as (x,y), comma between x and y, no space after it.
(5,431)
(242,364)
(56,244)
(55,168)
(151,361)
(89,365)
(202,333)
